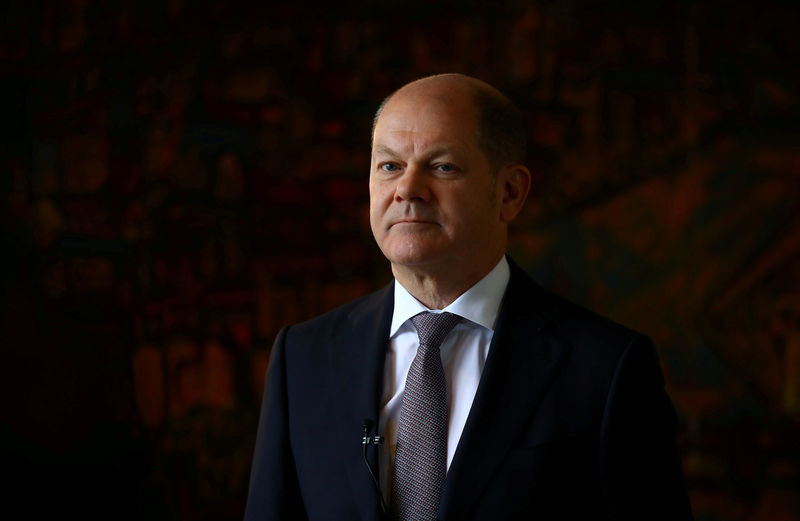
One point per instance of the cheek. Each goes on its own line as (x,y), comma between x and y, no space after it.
(475,216)
(380,197)
(375,204)
(376,212)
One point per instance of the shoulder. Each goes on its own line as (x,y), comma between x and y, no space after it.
(590,333)
(593,350)
(370,308)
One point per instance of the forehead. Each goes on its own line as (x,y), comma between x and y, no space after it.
(422,121)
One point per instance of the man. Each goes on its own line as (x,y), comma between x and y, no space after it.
(519,405)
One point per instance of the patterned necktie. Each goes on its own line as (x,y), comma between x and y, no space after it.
(420,462)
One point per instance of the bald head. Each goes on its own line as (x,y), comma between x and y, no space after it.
(499,125)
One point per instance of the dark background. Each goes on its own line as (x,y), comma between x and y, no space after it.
(180,179)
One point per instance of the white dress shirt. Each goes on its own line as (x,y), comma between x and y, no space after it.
(463,353)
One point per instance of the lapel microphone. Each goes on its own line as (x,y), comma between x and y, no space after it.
(367,439)
(376,440)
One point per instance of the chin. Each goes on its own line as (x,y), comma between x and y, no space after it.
(412,254)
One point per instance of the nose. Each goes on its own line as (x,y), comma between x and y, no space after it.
(412,185)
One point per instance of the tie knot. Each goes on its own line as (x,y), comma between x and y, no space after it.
(432,328)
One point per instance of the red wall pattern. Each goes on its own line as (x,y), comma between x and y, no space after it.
(181,179)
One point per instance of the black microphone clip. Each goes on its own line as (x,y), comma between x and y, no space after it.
(372,440)
(366,439)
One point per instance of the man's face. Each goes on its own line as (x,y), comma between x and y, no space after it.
(433,199)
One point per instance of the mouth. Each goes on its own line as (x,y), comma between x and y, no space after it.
(412,222)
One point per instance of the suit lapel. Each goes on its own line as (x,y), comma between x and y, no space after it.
(358,352)
(523,358)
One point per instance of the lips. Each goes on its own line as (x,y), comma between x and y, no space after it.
(410,215)
(412,221)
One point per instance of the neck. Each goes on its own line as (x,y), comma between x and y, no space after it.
(437,289)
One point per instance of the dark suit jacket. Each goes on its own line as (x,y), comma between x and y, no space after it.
(570,420)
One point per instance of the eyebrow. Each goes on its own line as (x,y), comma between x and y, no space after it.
(453,150)
(384,150)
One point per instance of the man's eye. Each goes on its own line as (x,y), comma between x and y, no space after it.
(445,168)
(389,167)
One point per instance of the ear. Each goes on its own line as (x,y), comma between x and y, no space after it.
(513,183)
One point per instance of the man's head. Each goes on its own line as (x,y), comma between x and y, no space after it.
(500,124)
(444,181)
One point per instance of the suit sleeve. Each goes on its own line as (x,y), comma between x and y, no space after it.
(638,458)
(274,493)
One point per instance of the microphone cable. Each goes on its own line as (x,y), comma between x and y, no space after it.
(366,440)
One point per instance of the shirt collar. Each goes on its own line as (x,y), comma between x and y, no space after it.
(479,304)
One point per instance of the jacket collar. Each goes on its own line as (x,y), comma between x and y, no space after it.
(357,355)
(523,359)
